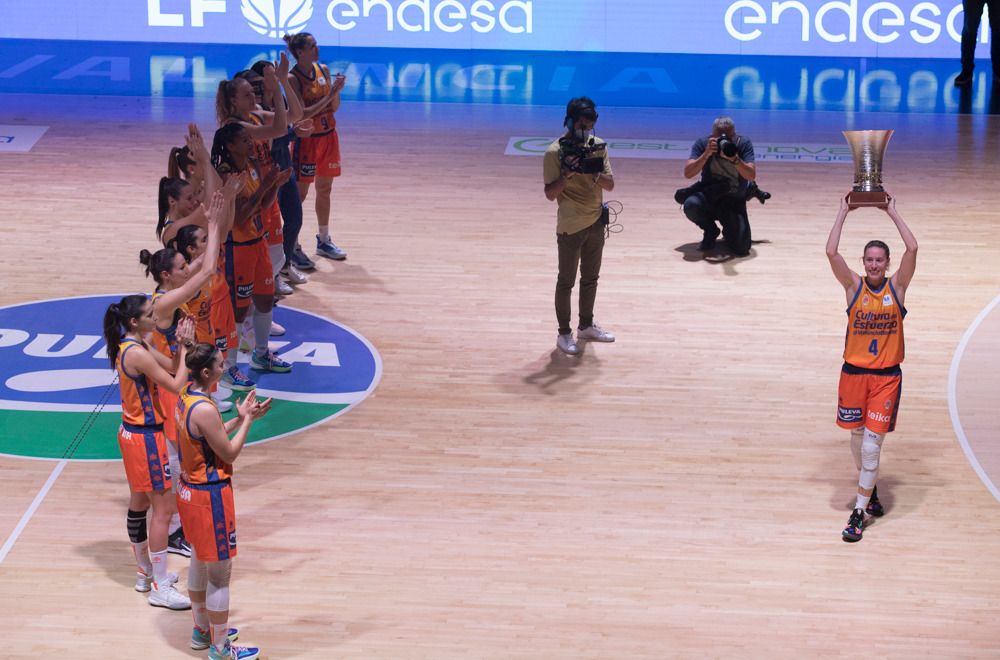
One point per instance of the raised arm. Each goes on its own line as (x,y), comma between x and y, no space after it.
(908,263)
(171,300)
(199,152)
(146,362)
(847,277)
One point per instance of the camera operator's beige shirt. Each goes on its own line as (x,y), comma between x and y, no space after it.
(580,201)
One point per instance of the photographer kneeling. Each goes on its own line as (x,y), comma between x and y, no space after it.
(576,170)
(726,163)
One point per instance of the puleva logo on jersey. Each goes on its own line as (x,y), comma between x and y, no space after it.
(276,18)
(54,373)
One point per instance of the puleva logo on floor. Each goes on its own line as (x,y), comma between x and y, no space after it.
(54,373)
(276,18)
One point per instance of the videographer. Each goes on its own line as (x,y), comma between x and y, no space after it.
(576,171)
(726,162)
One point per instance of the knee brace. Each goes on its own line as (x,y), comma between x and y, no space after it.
(871,448)
(197,576)
(217,596)
(136,523)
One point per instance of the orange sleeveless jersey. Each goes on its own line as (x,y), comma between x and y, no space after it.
(165,341)
(312,91)
(261,148)
(200,309)
(199,465)
(140,397)
(254,228)
(874,328)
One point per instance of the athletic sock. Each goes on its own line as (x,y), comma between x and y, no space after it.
(141,552)
(220,633)
(262,330)
(159,560)
(324,234)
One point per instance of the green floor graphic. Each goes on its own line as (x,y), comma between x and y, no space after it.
(41,434)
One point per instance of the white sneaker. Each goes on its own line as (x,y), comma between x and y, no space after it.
(294,275)
(595,333)
(165,595)
(222,405)
(222,391)
(283,288)
(567,345)
(276,329)
(144,583)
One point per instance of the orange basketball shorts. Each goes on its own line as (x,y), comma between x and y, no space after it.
(248,272)
(317,155)
(869,399)
(208,515)
(144,453)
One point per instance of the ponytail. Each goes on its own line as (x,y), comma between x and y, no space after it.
(179,162)
(171,187)
(224,94)
(116,320)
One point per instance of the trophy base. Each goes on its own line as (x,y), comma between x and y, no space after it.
(857,199)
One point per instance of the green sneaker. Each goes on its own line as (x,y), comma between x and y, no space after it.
(202,639)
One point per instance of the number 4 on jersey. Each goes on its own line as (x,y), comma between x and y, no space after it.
(873,347)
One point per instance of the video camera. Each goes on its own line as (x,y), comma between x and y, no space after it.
(582,157)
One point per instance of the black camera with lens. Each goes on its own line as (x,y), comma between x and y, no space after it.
(582,157)
(727,147)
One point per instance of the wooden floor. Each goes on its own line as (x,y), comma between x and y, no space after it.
(679,493)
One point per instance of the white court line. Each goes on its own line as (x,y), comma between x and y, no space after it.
(953,402)
(37,502)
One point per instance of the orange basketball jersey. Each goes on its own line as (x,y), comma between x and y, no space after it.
(252,229)
(199,464)
(140,396)
(200,309)
(874,327)
(315,89)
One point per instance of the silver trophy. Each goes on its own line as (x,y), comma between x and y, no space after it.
(868,148)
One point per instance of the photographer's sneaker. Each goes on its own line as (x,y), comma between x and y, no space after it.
(277,330)
(301,261)
(202,639)
(567,344)
(232,652)
(177,544)
(165,595)
(237,381)
(221,404)
(282,288)
(595,333)
(143,582)
(269,361)
(294,275)
(329,250)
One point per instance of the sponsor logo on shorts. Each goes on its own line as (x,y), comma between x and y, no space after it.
(184,493)
(848,414)
(166,470)
(244,290)
(878,417)
(232,539)
(308,170)
(888,404)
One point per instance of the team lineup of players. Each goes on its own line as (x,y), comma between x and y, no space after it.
(229,220)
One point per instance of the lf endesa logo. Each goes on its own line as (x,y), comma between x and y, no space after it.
(276,17)
(878,21)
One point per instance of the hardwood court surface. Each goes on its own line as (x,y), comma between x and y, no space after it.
(679,493)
